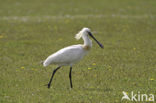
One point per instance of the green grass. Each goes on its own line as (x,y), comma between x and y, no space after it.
(32,30)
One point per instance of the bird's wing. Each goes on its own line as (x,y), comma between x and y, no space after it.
(65,55)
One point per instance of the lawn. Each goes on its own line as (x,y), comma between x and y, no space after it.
(31,30)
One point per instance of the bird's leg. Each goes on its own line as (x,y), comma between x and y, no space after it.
(70,77)
(53,76)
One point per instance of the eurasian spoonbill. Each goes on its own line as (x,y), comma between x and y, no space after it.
(71,54)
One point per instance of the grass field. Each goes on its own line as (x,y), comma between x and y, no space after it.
(30,30)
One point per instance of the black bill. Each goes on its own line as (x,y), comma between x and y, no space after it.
(90,34)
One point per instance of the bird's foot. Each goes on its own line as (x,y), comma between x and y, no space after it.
(48,85)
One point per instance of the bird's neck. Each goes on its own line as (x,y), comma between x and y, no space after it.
(87,43)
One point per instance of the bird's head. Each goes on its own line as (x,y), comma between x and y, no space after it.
(87,32)
(83,32)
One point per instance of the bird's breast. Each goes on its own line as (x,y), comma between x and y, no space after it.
(86,47)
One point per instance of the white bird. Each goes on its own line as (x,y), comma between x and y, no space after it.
(68,56)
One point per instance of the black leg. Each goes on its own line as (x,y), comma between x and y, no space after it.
(70,77)
(52,76)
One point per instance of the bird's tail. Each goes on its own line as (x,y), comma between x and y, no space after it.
(43,63)
(46,62)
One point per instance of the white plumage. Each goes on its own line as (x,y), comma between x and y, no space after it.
(71,54)
(66,56)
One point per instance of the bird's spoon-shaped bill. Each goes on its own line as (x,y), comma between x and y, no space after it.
(91,35)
